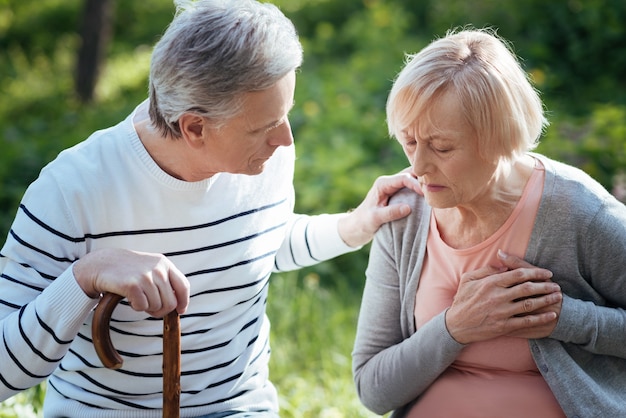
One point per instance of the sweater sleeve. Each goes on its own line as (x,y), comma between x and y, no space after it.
(41,305)
(596,320)
(310,240)
(389,370)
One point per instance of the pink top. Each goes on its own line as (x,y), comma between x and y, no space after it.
(495,378)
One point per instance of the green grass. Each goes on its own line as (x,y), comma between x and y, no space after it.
(312,336)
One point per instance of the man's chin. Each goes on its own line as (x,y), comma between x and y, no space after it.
(255,171)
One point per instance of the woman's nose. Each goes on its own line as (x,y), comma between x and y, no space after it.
(420,161)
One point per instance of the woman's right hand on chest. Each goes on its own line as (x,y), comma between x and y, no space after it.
(517,299)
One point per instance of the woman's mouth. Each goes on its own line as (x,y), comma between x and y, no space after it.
(432,188)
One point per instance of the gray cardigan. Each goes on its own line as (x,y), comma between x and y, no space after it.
(579,234)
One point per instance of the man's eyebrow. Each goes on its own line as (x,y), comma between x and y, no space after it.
(274,123)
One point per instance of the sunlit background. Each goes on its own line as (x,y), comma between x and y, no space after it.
(575,51)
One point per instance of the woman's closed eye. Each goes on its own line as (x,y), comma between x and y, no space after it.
(441,150)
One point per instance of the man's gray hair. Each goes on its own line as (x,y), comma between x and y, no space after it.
(212,53)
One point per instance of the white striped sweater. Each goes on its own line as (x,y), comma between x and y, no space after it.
(227,234)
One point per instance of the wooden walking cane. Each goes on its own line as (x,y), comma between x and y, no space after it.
(171,350)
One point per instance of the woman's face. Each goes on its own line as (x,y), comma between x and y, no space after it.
(443,152)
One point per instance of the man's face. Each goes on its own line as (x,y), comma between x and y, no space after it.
(244,143)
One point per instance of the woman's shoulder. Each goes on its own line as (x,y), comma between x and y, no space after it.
(420,211)
(574,194)
(409,197)
(567,180)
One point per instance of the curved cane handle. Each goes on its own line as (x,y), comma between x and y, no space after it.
(171,350)
(101,334)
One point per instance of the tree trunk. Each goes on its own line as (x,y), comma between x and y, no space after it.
(95,33)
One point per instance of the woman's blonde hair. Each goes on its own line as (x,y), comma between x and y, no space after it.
(494,92)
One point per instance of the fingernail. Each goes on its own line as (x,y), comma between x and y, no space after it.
(502,254)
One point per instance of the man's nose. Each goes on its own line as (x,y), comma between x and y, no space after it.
(282,135)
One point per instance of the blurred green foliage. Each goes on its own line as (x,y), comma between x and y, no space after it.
(575,51)
(25,404)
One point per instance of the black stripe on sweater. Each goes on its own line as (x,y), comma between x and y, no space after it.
(19,365)
(224,244)
(145,231)
(29,342)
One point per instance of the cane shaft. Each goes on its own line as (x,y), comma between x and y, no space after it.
(171,365)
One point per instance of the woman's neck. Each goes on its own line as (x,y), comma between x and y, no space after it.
(466,225)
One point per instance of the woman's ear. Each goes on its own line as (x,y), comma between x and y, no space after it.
(193,129)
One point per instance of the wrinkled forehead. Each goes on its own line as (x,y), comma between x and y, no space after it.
(424,108)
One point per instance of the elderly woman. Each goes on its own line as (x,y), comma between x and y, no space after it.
(503,293)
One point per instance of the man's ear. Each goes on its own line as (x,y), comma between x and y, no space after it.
(193,129)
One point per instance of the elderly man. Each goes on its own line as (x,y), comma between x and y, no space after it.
(187,204)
